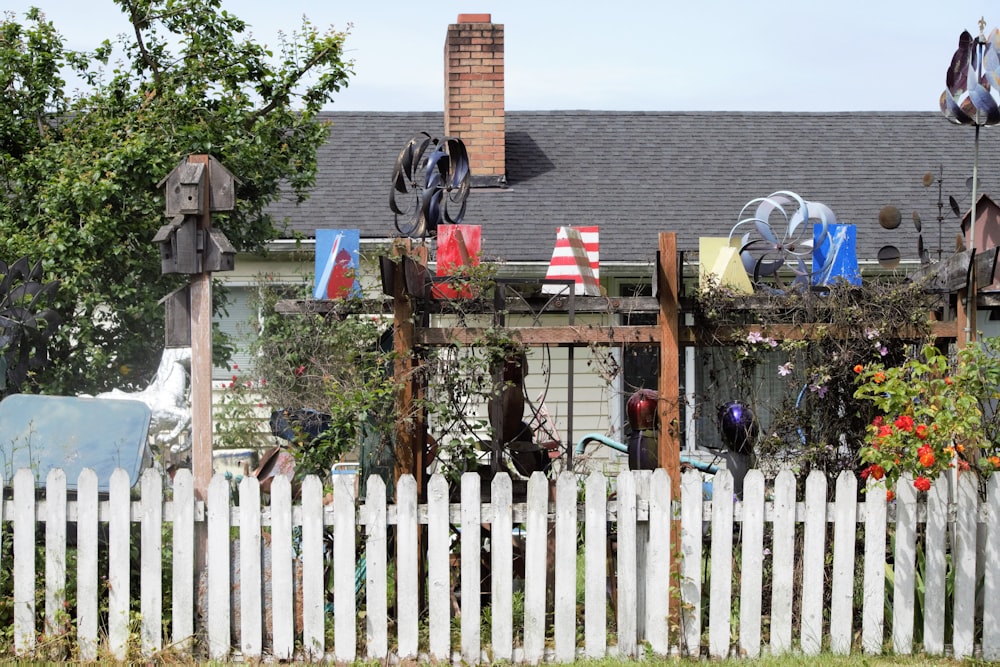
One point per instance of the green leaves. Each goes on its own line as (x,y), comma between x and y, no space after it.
(79,175)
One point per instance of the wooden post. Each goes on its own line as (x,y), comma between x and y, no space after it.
(668,444)
(669,441)
(409,429)
(201,357)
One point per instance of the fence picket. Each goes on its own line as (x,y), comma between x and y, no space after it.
(565,584)
(282,570)
(471,583)
(345,639)
(119,563)
(935,546)
(642,480)
(313,581)
(964,561)
(813,564)
(873,605)
(991,576)
(24,561)
(250,583)
(407,603)
(783,562)
(219,612)
(55,552)
(438,570)
(690,566)
(752,559)
(904,566)
(658,565)
(536,528)
(502,565)
(182,574)
(376,559)
(151,563)
(842,580)
(86,564)
(720,601)
(627,565)
(595,603)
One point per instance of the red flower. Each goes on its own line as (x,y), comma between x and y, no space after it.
(921,431)
(927,459)
(858,369)
(878,421)
(922,484)
(879,377)
(889,495)
(884,431)
(904,423)
(948,380)
(874,470)
(300,370)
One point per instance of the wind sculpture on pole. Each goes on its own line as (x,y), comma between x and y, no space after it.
(969,99)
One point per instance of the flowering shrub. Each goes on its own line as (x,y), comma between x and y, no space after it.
(932,415)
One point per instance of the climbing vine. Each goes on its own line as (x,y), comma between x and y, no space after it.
(791,357)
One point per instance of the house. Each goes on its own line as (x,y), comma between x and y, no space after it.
(634,174)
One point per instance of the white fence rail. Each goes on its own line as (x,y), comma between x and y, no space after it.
(782,574)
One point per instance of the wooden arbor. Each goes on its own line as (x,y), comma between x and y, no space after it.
(410,441)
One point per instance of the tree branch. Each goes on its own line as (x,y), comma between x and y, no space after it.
(286,88)
(146,57)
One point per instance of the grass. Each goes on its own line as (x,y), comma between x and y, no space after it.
(795,660)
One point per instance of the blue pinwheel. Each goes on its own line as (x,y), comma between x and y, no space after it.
(764,253)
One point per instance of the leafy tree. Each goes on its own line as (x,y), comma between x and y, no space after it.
(79,173)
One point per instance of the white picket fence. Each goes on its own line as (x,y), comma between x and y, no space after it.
(781,545)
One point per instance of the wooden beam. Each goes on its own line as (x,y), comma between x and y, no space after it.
(580,335)
(587,334)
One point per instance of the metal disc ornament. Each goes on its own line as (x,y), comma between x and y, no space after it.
(888,257)
(889,217)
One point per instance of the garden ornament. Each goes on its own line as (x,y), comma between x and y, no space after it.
(167,398)
(738,426)
(766,247)
(434,175)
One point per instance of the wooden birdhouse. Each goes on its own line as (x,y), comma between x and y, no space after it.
(179,241)
(184,189)
(222,187)
(219,253)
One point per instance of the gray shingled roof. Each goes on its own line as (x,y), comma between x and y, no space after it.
(639,173)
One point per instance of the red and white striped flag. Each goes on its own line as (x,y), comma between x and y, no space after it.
(576,258)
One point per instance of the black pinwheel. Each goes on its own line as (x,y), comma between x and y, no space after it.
(430,185)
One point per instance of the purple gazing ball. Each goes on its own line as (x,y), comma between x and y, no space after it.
(738,426)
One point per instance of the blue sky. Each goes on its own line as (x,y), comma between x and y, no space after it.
(765,55)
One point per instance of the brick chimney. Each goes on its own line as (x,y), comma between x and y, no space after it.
(473,94)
